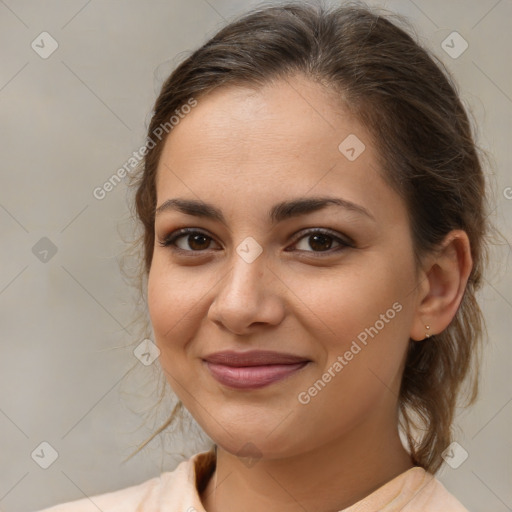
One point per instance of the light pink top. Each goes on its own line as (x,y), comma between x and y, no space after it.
(415,490)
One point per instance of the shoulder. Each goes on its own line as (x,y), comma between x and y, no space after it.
(127,499)
(432,496)
(415,490)
(176,488)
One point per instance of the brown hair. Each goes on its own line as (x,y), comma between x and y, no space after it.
(407,100)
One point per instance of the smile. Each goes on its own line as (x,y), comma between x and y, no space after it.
(252,369)
(252,377)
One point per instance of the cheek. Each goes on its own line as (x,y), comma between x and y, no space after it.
(364,315)
(348,303)
(160,299)
(178,299)
(171,301)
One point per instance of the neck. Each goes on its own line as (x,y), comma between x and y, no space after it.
(328,478)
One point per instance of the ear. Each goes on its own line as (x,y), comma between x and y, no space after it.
(442,284)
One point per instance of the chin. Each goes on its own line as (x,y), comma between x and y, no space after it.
(254,441)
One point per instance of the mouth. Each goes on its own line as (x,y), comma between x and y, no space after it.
(253,369)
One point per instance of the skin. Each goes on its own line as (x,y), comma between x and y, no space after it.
(244,150)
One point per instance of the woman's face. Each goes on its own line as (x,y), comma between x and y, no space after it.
(255,274)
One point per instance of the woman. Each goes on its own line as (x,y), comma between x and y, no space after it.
(312,205)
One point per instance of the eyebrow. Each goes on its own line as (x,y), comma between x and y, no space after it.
(278,213)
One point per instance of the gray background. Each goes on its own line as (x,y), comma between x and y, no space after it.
(68,122)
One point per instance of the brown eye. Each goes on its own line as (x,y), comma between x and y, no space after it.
(321,241)
(189,241)
(196,242)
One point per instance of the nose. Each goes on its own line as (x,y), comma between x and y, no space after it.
(247,297)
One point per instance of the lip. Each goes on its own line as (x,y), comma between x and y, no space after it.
(253,369)
(253,358)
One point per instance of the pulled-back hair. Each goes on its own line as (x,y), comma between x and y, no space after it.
(408,102)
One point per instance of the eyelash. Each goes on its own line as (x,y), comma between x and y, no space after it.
(170,240)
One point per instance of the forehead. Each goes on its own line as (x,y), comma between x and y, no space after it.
(291,117)
(293,111)
(286,138)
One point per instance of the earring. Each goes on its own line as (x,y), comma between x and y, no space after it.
(427,335)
